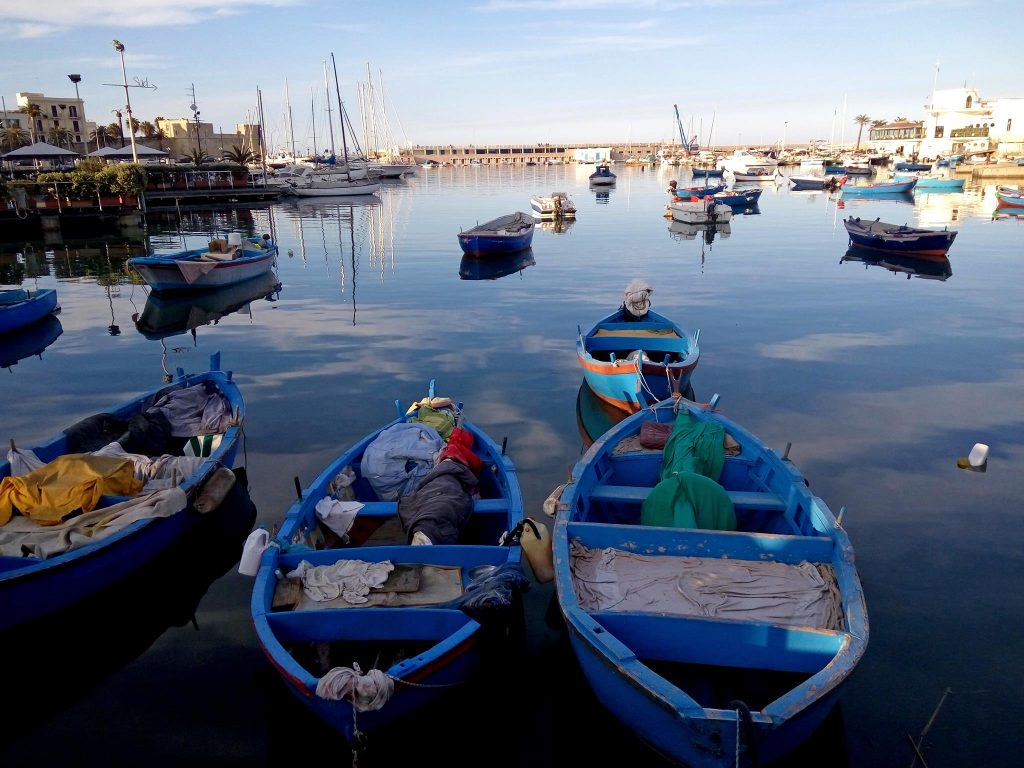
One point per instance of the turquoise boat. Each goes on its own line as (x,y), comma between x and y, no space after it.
(711,599)
(20,307)
(428,623)
(878,190)
(929,183)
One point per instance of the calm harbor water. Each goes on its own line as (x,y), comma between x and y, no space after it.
(880,377)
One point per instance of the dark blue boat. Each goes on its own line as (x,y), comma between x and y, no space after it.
(704,173)
(80,555)
(912,167)
(602,175)
(711,189)
(505,234)
(686,577)
(20,307)
(897,238)
(741,197)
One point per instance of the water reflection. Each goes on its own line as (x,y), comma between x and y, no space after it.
(892,197)
(680,230)
(172,315)
(602,195)
(556,226)
(925,267)
(493,267)
(28,342)
(594,416)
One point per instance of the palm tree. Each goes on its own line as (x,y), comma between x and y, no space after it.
(196,157)
(99,135)
(240,155)
(13,136)
(33,111)
(860,120)
(59,136)
(900,120)
(133,126)
(878,123)
(148,129)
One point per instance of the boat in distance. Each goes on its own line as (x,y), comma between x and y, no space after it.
(635,357)
(505,234)
(602,175)
(1009,197)
(557,205)
(221,263)
(898,238)
(712,601)
(879,189)
(424,618)
(20,307)
(63,548)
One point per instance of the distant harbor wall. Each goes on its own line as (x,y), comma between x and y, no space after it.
(539,154)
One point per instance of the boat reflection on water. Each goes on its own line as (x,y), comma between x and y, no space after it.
(894,197)
(746,210)
(493,267)
(173,314)
(925,267)
(595,416)
(679,230)
(29,341)
(602,195)
(556,226)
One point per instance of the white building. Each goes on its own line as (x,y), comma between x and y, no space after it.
(958,121)
(592,155)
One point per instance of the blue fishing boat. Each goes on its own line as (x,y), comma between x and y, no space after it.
(880,189)
(1008,197)
(602,175)
(932,183)
(505,234)
(711,599)
(418,619)
(711,189)
(29,341)
(739,197)
(705,173)
(63,547)
(221,263)
(905,166)
(20,307)
(896,238)
(634,356)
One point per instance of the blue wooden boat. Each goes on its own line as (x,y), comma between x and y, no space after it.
(702,681)
(1008,197)
(472,268)
(739,197)
(704,173)
(505,234)
(417,646)
(882,188)
(711,189)
(896,238)
(20,307)
(222,263)
(602,175)
(912,166)
(929,183)
(632,361)
(29,341)
(33,587)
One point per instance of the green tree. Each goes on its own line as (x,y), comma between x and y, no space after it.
(99,136)
(196,157)
(147,129)
(115,133)
(240,155)
(12,137)
(59,136)
(860,120)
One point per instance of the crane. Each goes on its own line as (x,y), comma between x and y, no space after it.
(691,147)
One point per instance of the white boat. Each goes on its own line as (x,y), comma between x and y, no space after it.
(321,182)
(701,211)
(747,166)
(556,206)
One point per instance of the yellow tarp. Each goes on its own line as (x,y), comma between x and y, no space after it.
(652,332)
(74,481)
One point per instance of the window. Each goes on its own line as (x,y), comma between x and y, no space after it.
(53,110)
(940,131)
(428,152)
(970,100)
(73,111)
(74,126)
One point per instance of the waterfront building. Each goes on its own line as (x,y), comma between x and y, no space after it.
(958,121)
(61,120)
(183,137)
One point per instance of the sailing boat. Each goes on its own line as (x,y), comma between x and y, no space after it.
(342,179)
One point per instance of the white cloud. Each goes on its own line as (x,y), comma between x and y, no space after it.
(35,30)
(825,346)
(35,20)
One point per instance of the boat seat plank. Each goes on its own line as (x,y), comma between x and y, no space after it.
(390,508)
(699,542)
(651,344)
(637,494)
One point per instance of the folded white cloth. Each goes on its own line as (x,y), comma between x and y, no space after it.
(337,515)
(351,580)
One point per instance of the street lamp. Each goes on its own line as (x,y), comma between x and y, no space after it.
(119,47)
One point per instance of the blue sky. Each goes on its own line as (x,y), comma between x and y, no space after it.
(497,71)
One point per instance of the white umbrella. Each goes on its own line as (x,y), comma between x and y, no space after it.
(39,151)
(141,150)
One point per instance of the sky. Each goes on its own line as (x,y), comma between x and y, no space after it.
(752,72)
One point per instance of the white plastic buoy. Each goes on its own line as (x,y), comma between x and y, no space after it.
(978,455)
(252,552)
(234,238)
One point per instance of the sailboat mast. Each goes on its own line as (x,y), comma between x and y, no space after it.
(330,122)
(341,113)
(263,143)
(312,112)
(373,112)
(291,127)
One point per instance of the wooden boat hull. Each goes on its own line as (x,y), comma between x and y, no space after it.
(873,190)
(623,383)
(700,212)
(169,273)
(654,670)
(742,198)
(448,644)
(493,237)
(31,589)
(892,238)
(1009,199)
(912,167)
(704,173)
(34,308)
(350,190)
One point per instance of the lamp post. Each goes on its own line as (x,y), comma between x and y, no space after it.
(76,79)
(119,47)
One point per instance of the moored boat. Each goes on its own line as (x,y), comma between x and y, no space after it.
(602,175)
(1009,197)
(146,464)
(881,188)
(557,205)
(932,182)
(20,307)
(699,210)
(896,238)
(505,234)
(365,626)
(221,263)
(634,356)
(711,599)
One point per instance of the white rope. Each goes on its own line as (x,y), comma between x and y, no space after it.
(368,692)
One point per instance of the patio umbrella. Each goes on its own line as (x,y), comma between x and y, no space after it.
(141,150)
(102,152)
(39,151)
